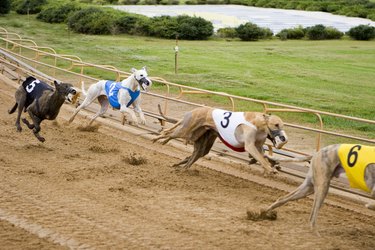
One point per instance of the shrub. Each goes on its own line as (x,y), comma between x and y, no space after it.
(362,32)
(163,26)
(29,6)
(91,21)
(294,33)
(4,6)
(129,2)
(227,33)
(133,24)
(185,27)
(320,32)
(333,33)
(57,14)
(194,28)
(252,32)
(316,32)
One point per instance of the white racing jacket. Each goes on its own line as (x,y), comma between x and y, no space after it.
(226,123)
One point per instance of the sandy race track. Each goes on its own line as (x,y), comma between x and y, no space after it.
(109,189)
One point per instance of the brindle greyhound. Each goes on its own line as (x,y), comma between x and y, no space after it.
(241,131)
(119,94)
(357,161)
(41,101)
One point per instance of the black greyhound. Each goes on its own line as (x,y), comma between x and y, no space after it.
(41,101)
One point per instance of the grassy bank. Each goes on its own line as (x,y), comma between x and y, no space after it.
(335,76)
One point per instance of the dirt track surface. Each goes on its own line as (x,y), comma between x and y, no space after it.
(83,189)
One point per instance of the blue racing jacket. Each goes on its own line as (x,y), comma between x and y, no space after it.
(112,88)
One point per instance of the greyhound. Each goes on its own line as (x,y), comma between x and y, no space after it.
(41,101)
(240,131)
(357,161)
(119,94)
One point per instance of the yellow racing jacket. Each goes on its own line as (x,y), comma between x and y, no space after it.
(354,159)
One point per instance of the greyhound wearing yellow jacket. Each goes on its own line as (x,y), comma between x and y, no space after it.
(357,161)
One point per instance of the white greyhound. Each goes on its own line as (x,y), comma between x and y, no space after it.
(119,94)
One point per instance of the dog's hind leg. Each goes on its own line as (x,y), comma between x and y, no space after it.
(370,182)
(88,100)
(28,124)
(21,104)
(36,125)
(202,146)
(104,104)
(305,189)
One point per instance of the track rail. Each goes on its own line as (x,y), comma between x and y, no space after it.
(300,175)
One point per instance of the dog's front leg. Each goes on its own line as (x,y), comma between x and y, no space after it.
(36,124)
(250,146)
(251,149)
(138,109)
(124,110)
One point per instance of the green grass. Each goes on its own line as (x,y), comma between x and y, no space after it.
(335,76)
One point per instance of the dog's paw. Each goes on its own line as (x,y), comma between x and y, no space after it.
(41,139)
(261,215)
(268,173)
(371,206)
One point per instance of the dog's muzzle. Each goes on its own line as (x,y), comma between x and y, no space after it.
(71,92)
(278,138)
(145,83)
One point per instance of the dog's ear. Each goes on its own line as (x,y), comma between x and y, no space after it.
(56,83)
(266,117)
(144,68)
(133,70)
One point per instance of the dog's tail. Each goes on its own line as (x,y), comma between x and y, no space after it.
(11,111)
(168,119)
(295,159)
(83,88)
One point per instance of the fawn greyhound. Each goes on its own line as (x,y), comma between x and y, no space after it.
(241,131)
(357,161)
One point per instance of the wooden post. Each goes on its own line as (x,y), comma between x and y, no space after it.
(176,56)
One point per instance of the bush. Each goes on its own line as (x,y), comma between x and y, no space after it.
(133,24)
(29,6)
(57,14)
(185,27)
(91,21)
(252,32)
(227,33)
(163,26)
(316,32)
(129,2)
(4,6)
(294,33)
(362,32)
(320,32)
(194,28)
(333,33)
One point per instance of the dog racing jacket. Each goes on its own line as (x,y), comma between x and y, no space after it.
(112,88)
(226,123)
(34,89)
(354,159)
